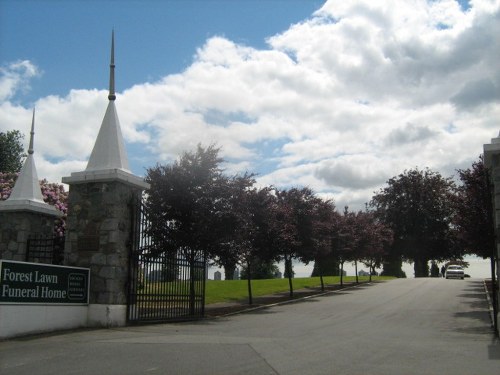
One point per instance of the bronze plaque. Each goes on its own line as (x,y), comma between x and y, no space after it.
(88,243)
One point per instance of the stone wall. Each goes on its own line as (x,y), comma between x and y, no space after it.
(16,227)
(98,236)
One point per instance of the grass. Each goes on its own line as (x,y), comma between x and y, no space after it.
(235,290)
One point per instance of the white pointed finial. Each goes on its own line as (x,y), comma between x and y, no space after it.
(26,194)
(32,134)
(112,95)
(108,160)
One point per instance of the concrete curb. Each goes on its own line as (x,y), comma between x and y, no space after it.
(250,309)
(490,304)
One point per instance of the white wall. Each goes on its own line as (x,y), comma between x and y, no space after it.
(18,320)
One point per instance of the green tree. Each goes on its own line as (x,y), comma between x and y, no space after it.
(293,227)
(240,224)
(474,211)
(186,208)
(418,206)
(346,240)
(325,225)
(374,239)
(185,205)
(474,221)
(251,236)
(11,151)
(260,270)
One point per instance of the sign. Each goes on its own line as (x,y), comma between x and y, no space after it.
(27,283)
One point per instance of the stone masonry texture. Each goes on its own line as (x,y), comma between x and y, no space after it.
(99,228)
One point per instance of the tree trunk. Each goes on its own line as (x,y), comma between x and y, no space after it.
(249,283)
(288,268)
(393,266)
(421,267)
(229,271)
(322,283)
(356,270)
(341,273)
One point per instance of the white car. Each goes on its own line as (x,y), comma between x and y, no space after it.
(454,272)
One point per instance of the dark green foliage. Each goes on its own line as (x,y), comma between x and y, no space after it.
(325,228)
(326,266)
(11,151)
(418,206)
(260,270)
(393,266)
(170,270)
(187,203)
(474,218)
(292,227)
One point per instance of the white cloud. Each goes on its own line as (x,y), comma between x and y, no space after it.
(15,76)
(340,102)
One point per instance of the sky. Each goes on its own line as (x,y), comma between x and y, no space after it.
(336,95)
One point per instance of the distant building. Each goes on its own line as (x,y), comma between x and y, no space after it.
(363,273)
(278,275)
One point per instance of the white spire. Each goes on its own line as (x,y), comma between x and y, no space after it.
(112,95)
(108,160)
(31,150)
(109,149)
(26,194)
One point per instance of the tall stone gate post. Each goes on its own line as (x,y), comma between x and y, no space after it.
(492,162)
(99,224)
(25,213)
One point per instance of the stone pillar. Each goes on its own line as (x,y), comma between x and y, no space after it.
(25,213)
(492,162)
(17,226)
(98,236)
(99,225)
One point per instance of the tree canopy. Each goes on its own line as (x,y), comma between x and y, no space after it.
(418,217)
(418,206)
(474,211)
(187,202)
(11,151)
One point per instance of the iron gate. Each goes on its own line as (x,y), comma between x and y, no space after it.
(163,285)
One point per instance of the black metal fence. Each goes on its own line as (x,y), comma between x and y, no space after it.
(41,249)
(163,285)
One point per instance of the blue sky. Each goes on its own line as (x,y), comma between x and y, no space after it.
(69,40)
(336,95)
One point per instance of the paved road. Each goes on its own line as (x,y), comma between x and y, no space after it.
(407,326)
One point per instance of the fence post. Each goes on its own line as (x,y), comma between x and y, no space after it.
(492,163)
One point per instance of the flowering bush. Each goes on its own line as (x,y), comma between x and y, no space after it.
(53,194)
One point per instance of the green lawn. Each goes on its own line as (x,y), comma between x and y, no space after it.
(234,290)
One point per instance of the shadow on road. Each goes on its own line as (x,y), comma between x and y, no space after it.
(494,350)
(310,294)
(476,309)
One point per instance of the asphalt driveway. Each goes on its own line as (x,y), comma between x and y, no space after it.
(405,326)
